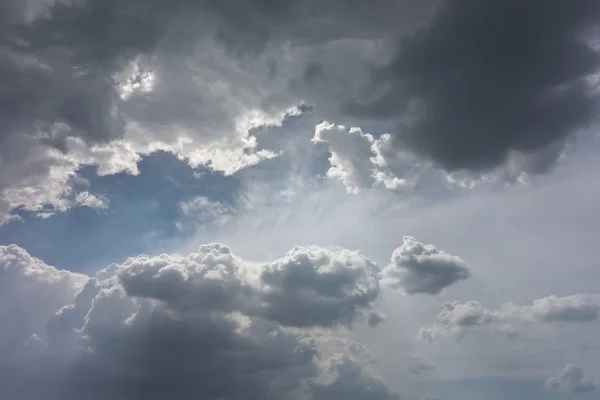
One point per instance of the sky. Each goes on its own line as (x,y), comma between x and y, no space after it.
(307,200)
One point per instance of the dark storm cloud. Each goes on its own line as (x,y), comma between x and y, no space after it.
(490,77)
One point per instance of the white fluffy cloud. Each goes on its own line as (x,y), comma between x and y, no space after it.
(360,161)
(208,323)
(421,268)
(87,199)
(572,379)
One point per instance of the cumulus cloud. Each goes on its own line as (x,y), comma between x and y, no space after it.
(350,157)
(455,317)
(307,287)
(30,293)
(421,268)
(319,287)
(577,308)
(468,94)
(360,161)
(347,380)
(572,379)
(203,325)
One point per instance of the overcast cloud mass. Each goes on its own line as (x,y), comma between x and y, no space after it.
(269,199)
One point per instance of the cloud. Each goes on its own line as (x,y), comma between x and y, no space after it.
(203,210)
(192,79)
(359,161)
(348,381)
(197,79)
(469,95)
(190,326)
(350,157)
(577,308)
(455,317)
(375,318)
(572,379)
(87,199)
(30,293)
(319,287)
(419,365)
(308,287)
(419,268)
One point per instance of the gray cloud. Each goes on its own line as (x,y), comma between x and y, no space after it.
(419,268)
(312,287)
(487,79)
(308,287)
(456,316)
(419,365)
(91,82)
(577,308)
(572,379)
(350,382)
(176,326)
(375,318)
(30,293)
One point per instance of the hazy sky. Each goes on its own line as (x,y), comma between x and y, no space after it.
(299,199)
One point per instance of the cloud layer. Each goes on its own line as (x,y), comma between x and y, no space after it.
(197,78)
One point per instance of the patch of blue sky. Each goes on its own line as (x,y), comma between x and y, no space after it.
(143,212)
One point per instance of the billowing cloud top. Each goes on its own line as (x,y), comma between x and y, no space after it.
(210,323)
(419,268)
